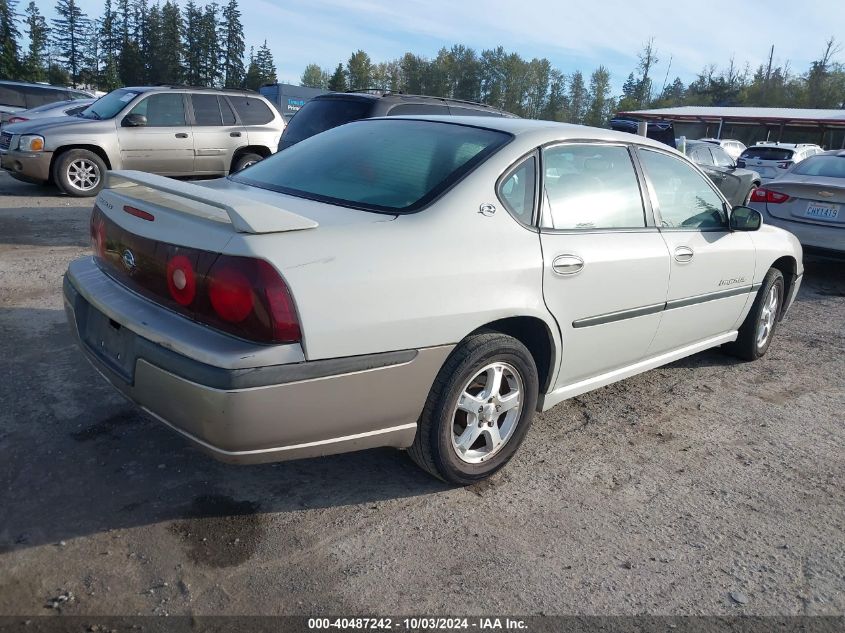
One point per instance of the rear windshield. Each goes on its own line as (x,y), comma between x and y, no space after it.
(385,165)
(830,166)
(768,153)
(320,115)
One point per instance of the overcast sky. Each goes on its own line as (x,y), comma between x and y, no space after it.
(572,34)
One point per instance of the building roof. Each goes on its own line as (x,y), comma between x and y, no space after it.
(805,117)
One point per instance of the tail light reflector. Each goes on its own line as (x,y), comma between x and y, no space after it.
(181,280)
(768,196)
(784,164)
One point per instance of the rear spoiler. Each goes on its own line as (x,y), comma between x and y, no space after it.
(246,216)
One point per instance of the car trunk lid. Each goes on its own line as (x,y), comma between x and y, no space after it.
(815,200)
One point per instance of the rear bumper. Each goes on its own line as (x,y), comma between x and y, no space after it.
(812,236)
(28,166)
(247,414)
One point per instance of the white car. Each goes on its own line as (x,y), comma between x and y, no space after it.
(771,160)
(424,283)
(58,108)
(732,147)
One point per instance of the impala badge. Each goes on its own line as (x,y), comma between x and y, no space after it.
(128,260)
(487,209)
(826,194)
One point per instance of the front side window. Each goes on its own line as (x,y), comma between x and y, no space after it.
(387,165)
(518,189)
(721,157)
(684,196)
(165,109)
(592,187)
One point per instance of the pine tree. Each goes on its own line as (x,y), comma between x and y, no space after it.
(69,32)
(9,34)
(110,45)
(34,66)
(209,47)
(89,75)
(266,65)
(192,36)
(252,80)
(338,81)
(232,36)
(130,63)
(168,64)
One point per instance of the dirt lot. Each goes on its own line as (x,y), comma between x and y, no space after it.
(663,494)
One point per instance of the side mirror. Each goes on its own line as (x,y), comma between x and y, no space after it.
(745,219)
(134,120)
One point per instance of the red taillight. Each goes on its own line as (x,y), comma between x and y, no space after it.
(768,196)
(181,280)
(97,231)
(252,300)
(784,164)
(230,292)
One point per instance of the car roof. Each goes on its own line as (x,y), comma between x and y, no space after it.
(782,145)
(536,130)
(232,91)
(401,97)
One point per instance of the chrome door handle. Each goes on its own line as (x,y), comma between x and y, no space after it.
(683,254)
(567,264)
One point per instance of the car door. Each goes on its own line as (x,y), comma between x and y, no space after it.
(605,266)
(731,183)
(164,144)
(217,135)
(711,267)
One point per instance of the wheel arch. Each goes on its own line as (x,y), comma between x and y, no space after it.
(788,267)
(96,149)
(261,150)
(537,336)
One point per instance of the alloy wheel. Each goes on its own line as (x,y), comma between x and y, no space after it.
(768,316)
(487,413)
(83,174)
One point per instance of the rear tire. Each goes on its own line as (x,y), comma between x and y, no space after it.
(758,329)
(80,173)
(473,421)
(245,160)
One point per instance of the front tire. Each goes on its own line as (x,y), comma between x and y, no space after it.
(79,173)
(478,411)
(758,329)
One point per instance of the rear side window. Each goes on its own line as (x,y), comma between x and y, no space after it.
(40,96)
(252,111)
(768,153)
(592,187)
(388,165)
(685,198)
(828,166)
(418,108)
(206,110)
(320,115)
(517,190)
(13,97)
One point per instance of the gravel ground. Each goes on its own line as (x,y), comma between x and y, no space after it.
(708,486)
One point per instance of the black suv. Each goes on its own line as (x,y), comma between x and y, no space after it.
(16,96)
(336,108)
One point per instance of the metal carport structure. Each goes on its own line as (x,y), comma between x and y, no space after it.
(796,125)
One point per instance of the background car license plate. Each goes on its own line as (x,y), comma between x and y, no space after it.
(822,211)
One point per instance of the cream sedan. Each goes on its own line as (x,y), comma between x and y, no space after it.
(425,283)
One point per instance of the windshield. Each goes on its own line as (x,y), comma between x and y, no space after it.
(108,106)
(320,115)
(830,166)
(382,165)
